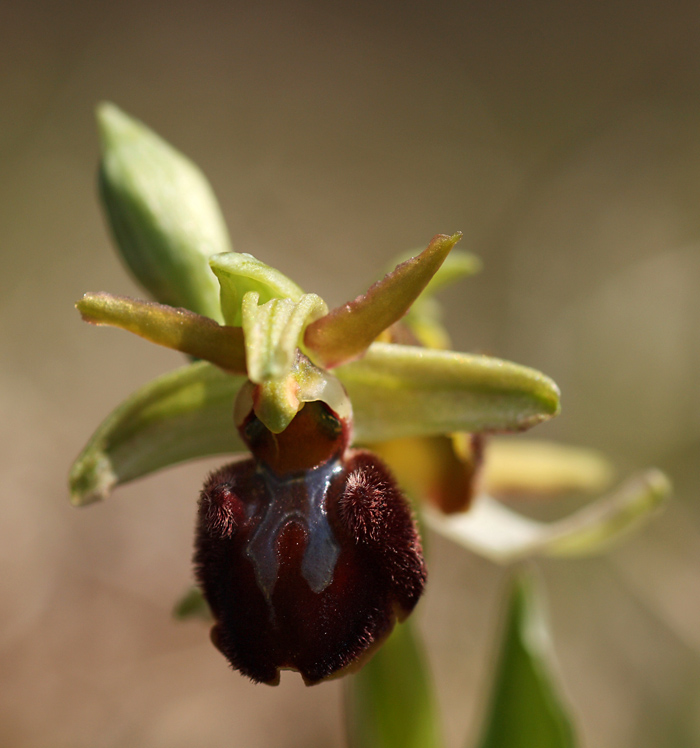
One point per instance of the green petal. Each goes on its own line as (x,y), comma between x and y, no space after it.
(458,264)
(185,414)
(162,212)
(496,532)
(398,391)
(390,702)
(424,318)
(178,329)
(426,325)
(518,466)
(346,333)
(240,273)
(440,469)
(273,331)
(597,526)
(527,709)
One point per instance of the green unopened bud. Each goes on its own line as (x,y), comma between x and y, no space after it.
(163,214)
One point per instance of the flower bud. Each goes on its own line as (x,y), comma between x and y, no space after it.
(307,552)
(162,212)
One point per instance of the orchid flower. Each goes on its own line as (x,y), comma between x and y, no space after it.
(307,552)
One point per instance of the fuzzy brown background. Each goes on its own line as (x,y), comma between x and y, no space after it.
(562,138)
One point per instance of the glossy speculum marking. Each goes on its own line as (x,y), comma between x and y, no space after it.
(299,498)
(306,569)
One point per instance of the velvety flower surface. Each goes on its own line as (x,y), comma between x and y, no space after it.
(307,552)
(331,536)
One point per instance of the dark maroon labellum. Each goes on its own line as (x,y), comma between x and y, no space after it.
(307,552)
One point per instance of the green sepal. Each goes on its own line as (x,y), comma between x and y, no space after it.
(240,273)
(178,329)
(273,332)
(347,332)
(390,702)
(182,415)
(162,212)
(526,708)
(399,391)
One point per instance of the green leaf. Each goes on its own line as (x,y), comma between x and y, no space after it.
(527,709)
(346,333)
(192,605)
(163,214)
(240,273)
(399,391)
(185,414)
(178,329)
(502,535)
(390,702)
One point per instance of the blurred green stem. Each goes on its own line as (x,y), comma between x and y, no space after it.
(390,702)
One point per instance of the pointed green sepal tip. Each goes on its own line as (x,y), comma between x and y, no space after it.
(240,273)
(91,478)
(347,332)
(459,264)
(162,212)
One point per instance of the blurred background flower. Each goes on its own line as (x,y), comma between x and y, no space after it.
(561,139)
